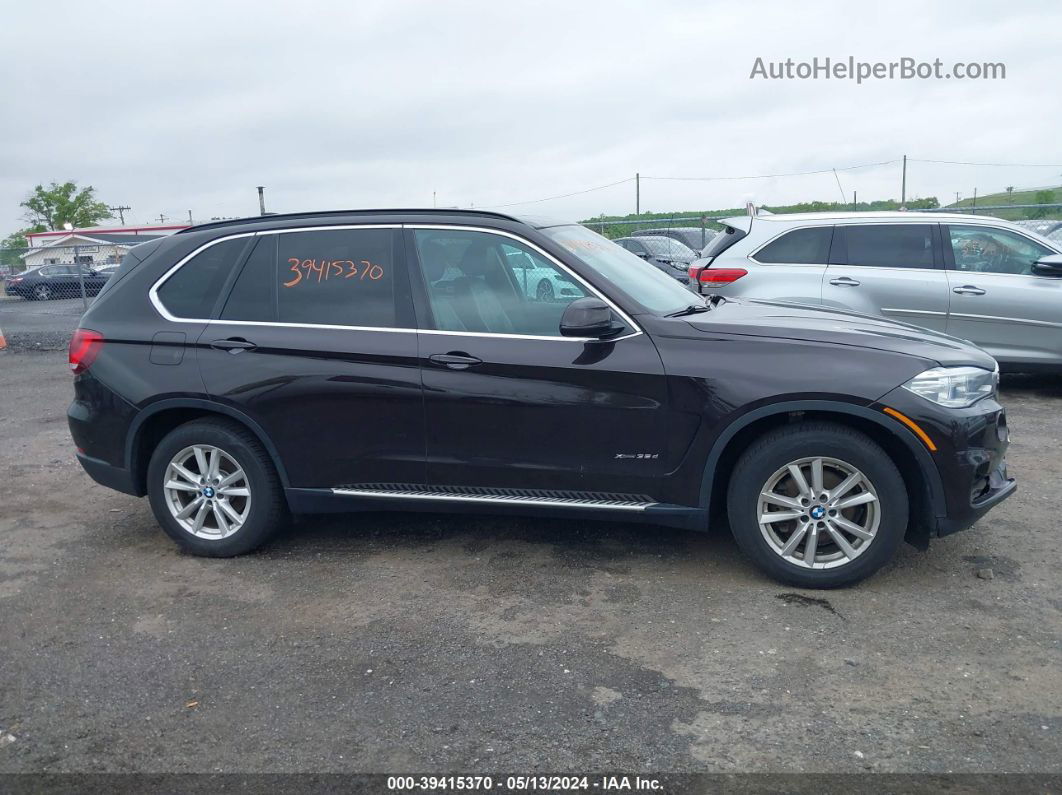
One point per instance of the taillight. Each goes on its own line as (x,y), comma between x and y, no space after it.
(84,346)
(720,275)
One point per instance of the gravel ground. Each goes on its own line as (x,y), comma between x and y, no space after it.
(38,325)
(435,643)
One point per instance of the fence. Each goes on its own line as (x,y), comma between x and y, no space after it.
(48,288)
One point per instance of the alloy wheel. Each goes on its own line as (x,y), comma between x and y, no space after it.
(207,492)
(818,512)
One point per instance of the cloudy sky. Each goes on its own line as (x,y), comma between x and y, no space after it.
(190,105)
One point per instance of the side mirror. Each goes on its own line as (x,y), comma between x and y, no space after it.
(1051,265)
(588,317)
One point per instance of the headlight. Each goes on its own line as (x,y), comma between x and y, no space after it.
(954,387)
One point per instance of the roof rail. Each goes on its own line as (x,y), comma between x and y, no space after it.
(255,219)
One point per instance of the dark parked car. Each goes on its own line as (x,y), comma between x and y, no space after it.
(54,281)
(242,371)
(664,253)
(690,236)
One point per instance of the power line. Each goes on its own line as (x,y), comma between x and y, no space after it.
(772,176)
(1005,165)
(566,195)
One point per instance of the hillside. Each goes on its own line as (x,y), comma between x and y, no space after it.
(1033,196)
(613,226)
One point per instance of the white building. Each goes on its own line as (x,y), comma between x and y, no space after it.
(101,245)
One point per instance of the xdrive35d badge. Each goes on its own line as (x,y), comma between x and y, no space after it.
(442,360)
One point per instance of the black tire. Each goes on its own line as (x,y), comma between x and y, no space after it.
(268,509)
(791,443)
(41,293)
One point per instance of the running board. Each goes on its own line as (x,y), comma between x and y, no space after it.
(542,498)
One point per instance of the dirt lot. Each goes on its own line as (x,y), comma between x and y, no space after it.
(381,642)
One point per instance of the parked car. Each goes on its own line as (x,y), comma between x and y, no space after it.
(542,284)
(664,253)
(108,270)
(241,371)
(692,237)
(1056,236)
(54,281)
(973,277)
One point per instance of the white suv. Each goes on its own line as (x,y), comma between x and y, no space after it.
(974,277)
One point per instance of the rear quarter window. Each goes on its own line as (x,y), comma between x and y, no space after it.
(809,246)
(192,291)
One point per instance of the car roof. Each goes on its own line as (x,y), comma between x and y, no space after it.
(428,215)
(853,217)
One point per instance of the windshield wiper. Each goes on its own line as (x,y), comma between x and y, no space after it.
(692,309)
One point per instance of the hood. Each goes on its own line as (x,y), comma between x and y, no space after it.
(837,327)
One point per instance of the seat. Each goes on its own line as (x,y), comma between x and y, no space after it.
(477,293)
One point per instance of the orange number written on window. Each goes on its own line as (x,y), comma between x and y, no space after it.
(306,269)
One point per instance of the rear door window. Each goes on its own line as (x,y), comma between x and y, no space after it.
(341,277)
(890,245)
(254,295)
(810,246)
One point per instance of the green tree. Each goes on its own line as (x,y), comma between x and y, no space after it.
(1042,197)
(56,205)
(12,246)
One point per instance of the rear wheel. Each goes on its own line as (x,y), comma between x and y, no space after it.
(545,291)
(817,505)
(214,490)
(41,292)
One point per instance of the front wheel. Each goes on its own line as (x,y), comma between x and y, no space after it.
(817,505)
(545,291)
(41,292)
(214,490)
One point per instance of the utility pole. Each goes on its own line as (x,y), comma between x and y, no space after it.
(975,202)
(162,218)
(637,194)
(261,200)
(855,200)
(80,278)
(120,209)
(433,199)
(903,186)
(956,198)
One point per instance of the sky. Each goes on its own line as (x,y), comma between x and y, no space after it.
(185,106)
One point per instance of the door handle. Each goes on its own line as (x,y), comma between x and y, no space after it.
(455,360)
(844,281)
(968,289)
(233,345)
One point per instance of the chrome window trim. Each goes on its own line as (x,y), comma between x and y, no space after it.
(161,309)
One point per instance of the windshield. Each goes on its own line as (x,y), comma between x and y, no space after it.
(653,289)
(667,247)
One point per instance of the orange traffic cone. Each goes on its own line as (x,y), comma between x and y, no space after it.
(3,342)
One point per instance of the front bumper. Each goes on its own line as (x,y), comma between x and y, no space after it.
(970,458)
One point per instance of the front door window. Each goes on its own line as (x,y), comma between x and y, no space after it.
(487,283)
